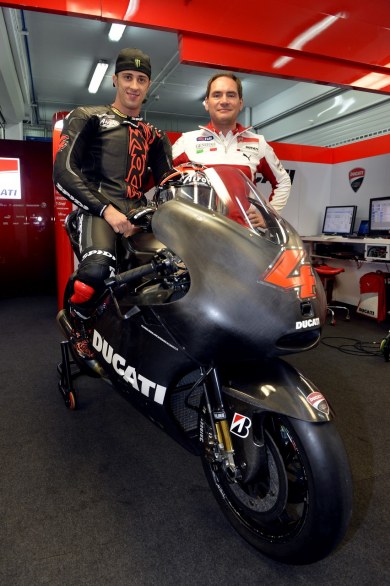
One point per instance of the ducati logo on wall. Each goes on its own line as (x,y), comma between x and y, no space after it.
(356,177)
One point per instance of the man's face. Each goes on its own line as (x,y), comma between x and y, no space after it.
(223,103)
(132,87)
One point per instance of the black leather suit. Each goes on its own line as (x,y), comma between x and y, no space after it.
(104,158)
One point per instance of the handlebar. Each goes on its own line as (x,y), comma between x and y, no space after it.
(163,263)
(130,275)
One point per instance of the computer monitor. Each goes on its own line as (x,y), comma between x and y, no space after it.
(379,219)
(339,220)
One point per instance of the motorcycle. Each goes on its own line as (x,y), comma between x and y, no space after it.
(220,288)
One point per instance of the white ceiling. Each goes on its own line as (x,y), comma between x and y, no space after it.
(54,56)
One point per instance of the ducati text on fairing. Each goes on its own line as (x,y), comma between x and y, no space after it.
(140,383)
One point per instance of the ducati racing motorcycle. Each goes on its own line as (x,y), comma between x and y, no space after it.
(192,335)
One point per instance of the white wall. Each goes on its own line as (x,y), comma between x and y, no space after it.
(376,183)
(317,185)
(310,194)
(14,131)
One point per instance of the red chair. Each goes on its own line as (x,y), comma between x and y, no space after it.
(328,275)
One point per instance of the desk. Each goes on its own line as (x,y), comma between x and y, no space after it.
(357,256)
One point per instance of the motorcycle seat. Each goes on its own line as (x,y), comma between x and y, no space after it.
(145,242)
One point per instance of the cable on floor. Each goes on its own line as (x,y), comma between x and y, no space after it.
(354,347)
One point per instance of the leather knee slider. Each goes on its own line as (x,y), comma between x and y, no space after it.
(81,292)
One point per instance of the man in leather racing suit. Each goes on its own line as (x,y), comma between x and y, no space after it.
(225,142)
(102,167)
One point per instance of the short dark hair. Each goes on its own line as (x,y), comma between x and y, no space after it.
(225,74)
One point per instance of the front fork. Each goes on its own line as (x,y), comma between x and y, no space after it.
(221,446)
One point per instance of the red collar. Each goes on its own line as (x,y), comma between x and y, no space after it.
(239,128)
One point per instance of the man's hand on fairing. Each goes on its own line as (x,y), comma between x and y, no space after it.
(255,217)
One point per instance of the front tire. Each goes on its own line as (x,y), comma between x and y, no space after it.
(300,512)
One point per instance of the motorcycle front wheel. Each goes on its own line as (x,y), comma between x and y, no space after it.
(301,511)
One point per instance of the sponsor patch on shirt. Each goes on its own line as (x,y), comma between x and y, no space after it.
(204,138)
(210,146)
(246,139)
(109,123)
(248,147)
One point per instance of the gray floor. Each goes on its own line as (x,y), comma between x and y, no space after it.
(100,496)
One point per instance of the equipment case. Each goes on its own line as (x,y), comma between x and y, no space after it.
(374,295)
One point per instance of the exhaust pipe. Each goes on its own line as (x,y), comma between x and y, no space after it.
(64,323)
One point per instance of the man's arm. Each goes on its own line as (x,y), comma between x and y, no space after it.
(160,157)
(178,152)
(67,173)
(272,169)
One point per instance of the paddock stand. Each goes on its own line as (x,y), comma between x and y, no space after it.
(68,371)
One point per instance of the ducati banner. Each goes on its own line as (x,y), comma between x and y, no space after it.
(356,177)
(10,179)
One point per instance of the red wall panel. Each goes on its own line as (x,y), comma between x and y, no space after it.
(27,259)
(363,149)
(62,207)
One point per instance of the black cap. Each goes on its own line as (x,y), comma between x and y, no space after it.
(133,60)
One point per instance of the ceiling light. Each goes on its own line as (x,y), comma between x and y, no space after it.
(97,76)
(342,102)
(116,32)
(373,80)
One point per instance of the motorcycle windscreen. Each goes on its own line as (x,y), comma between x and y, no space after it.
(228,191)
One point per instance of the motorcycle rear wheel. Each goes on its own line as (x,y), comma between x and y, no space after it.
(305,510)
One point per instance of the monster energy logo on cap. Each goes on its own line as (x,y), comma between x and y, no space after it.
(133,59)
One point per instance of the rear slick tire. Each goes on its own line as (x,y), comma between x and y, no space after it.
(302,514)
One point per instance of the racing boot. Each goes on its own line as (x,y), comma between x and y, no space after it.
(81,320)
(81,335)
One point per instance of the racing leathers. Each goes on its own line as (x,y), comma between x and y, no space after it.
(241,148)
(104,158)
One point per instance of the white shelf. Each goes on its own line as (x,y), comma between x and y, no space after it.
(336,239)
(347,284)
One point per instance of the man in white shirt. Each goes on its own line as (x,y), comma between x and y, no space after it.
(225,142)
